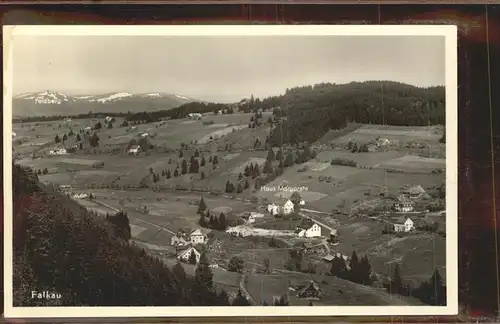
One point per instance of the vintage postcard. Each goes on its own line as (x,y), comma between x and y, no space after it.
(230,170)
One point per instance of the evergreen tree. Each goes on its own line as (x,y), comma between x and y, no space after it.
(179,272)
(222,222)
(192,258)
(268,168)
(202,221)
(65,137)
(176,173)
(229,187)
(184,167)
(247,171)
(236,264)
(121,225)
(396,282)
(240,176)
(78,138)
(181,154)
(295,199)
(338,268)
(289,160)
(246,185)
(57,139)
(240,188)
(202,175)
(203,274)
(354,265)
(196,153)
(202,206)
(202,162)
(365,271)
(168,175)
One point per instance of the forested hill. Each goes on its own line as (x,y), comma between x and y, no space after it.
(61,247)
(311,111)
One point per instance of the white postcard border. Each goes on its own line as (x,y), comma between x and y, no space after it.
(448,31)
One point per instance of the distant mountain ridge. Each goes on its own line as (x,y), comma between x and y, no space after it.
(57,103)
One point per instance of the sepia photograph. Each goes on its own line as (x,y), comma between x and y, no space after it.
(230,170)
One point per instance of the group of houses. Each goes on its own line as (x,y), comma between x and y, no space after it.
(404,203)
(283,207)
(61,151)
(81,196)
(185,244)
(250,217)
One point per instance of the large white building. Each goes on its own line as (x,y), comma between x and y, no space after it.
(407,226)
(198,237)
(311,231)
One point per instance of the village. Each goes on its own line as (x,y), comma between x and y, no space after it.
(284,233)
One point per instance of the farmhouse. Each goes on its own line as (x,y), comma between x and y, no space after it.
(288,207)
(414,191)
(134,149)
(308,228)
(407,226)
(108,119)
(334,236)
(88,128)
(81,196)
(195,116)
(273,209)
(310,291)
(144,134)
(185,255)
(381,142)
(198,237)
(61,151)
(403,205)
(328,258)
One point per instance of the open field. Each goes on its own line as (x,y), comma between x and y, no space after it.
(367,133)
(414,163)
(335,291)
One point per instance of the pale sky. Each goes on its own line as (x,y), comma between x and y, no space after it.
(220,68)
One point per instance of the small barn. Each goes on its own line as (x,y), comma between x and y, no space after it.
(310,291)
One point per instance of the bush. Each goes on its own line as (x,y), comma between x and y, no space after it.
(344,162)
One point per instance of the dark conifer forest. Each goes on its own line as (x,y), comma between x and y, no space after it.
(307,113)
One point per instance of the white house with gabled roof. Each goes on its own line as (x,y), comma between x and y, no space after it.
(198,237)
(288,207)
(134,149)
(185,255)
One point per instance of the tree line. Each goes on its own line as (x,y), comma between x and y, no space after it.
(311,111)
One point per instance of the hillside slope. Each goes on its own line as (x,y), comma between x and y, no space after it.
(311,111)
(61,247)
